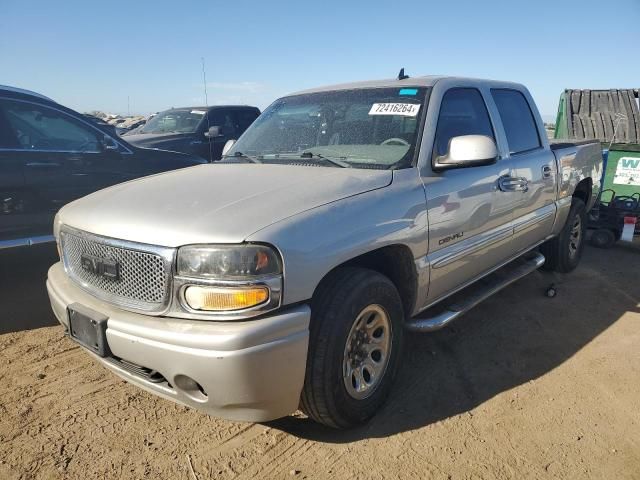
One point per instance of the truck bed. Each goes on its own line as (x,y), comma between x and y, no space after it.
(560,143)
(577,160)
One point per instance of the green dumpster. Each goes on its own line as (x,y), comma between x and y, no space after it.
(613,118)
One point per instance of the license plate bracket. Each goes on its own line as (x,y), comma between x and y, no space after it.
(88,328)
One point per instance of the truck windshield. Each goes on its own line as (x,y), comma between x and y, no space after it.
(365,128)
(174,121)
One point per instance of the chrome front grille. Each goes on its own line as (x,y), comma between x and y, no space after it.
(143,271)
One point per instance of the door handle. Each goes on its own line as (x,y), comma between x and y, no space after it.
(513,184)
(546,171)
(43,165)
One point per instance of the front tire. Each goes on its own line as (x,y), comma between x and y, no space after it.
(563,253)
(354,348)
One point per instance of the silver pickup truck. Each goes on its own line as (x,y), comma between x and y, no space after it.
(344,218)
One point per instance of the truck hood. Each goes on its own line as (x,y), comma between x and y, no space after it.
(215,203)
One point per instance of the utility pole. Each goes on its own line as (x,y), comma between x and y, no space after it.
(128,110)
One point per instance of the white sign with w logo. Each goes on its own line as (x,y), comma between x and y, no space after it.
(628,171)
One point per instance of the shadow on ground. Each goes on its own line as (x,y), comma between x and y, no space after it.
(23,294)
(513,338)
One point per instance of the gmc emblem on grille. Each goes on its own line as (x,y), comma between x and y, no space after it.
(103,267)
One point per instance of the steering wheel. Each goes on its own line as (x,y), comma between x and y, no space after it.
(395,141)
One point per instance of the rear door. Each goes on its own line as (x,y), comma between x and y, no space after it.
(534,168)
(470,219)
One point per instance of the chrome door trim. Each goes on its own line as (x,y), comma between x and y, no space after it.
(37,150)
(537,218)
(459,251)
(44,164)
(26,241)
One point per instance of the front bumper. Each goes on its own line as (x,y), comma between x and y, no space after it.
(247,370)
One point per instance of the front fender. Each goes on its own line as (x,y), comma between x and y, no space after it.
(316,241)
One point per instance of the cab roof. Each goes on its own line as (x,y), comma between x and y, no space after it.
(425,81)
(24,92)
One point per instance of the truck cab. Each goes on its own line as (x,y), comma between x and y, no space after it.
(199,131)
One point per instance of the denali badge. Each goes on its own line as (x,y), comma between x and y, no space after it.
(450,237)
(102,267)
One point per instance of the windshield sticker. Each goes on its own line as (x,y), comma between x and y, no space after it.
(198,112)
(408,91)
(404,109)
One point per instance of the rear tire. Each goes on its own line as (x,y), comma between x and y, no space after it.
(563,253)
(355,346)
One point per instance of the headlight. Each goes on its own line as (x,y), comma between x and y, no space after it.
(228,278)
(228,261)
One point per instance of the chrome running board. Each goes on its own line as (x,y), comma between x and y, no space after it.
(440,315)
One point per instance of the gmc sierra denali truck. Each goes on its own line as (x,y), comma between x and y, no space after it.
(343,219)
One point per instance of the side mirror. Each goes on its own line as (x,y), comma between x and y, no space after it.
(468,151)
(109,144)
(213,132)
(227,146)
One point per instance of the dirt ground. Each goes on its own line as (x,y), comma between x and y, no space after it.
(522,387)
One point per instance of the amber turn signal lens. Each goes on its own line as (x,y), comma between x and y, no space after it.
(224,298)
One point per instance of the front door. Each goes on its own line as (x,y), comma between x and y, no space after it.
(223,118)
(62,158)
(470,218)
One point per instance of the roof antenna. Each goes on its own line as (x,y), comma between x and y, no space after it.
(401,75)
(206,103)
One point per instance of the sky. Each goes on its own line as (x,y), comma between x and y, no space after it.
(146,56)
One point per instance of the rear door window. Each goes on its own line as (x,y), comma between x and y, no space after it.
(462,112)
(517,120)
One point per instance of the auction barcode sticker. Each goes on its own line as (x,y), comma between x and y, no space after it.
(404,109)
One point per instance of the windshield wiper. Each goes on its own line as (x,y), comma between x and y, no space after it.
(244,155)
(336,161)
